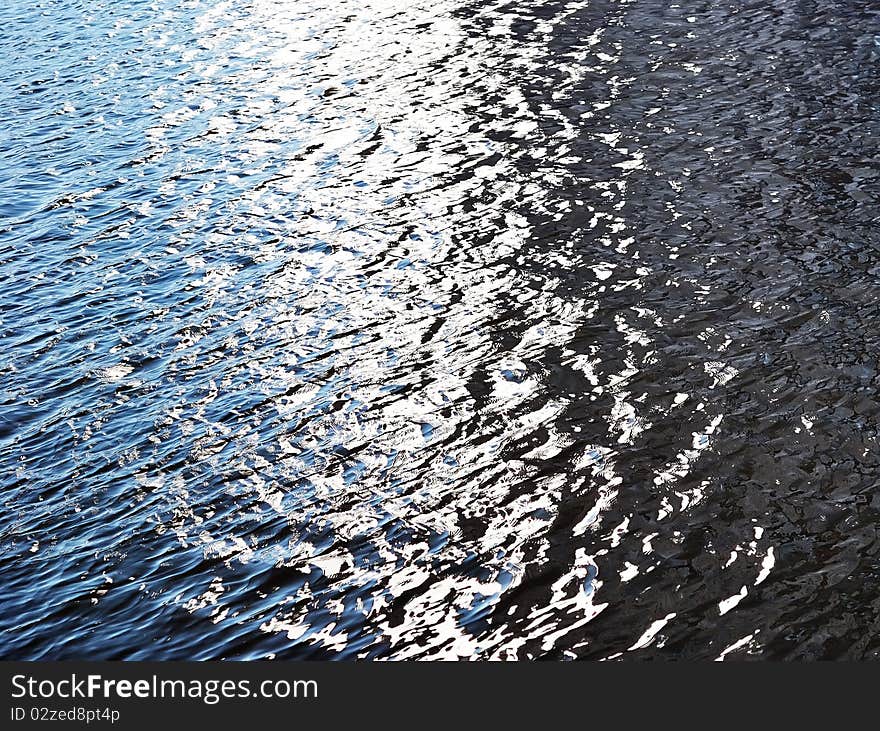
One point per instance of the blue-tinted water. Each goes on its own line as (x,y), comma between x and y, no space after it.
(365,328)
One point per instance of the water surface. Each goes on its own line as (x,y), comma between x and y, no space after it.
(449,329)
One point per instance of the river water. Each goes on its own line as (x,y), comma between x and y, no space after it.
(439,329)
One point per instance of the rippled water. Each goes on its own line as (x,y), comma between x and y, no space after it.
(440,329)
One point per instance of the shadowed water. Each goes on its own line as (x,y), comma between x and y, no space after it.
(448,329)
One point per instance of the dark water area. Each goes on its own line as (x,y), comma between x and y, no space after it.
(371,329)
